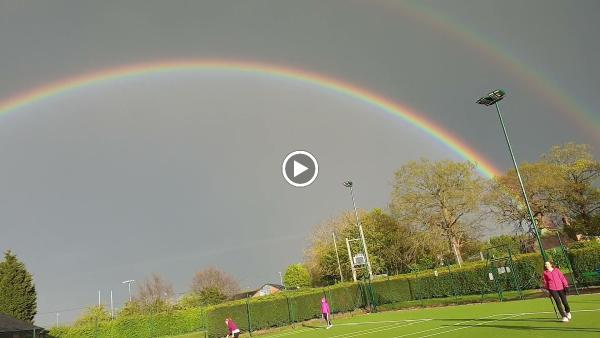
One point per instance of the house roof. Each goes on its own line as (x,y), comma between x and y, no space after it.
(247,294)
(11,324)
(277,286)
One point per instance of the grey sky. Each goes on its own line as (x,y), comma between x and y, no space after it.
(174,172)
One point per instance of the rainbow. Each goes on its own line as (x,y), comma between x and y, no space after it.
(459,147)
(537,82)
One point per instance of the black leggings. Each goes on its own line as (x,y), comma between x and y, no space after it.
(560,296)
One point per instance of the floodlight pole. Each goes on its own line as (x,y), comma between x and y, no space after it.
(337,256)
(128,282)
(532,218)
(349,184)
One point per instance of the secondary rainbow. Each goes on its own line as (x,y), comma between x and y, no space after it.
(453,142)
(536,81)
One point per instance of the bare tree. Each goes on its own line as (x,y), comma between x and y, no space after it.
(154,289)
(215,278)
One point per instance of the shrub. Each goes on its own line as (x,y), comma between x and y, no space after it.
(585,260)
(296,276)
(159,324)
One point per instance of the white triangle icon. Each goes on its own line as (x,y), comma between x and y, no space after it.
(299,168)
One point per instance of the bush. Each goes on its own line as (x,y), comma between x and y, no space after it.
(296,276)
(585,244)
(585,260)
(160,324)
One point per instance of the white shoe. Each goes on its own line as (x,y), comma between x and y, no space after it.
(565,319)
(328,327)
(569,315)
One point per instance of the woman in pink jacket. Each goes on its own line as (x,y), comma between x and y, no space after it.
(232,329)
(557,285)
(326,311)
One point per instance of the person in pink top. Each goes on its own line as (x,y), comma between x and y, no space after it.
(556,283)
(232,329)
(326,311)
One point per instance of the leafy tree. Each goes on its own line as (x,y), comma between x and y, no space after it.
(562,188)
(444,197)
(92,315)
(542,183)
(296,276)
(18,297)
(321,257)
(213,278)
(393,247)
(579,187)
(516,243)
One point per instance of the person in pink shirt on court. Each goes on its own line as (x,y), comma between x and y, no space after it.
(557,285)
(232,329)
(326,311)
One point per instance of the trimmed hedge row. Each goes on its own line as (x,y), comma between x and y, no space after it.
(585,260)
(160,324)
(281,309)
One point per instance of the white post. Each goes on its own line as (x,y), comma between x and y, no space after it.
(57,314)
(112,309)
(337,255)
(99,300)
(351,262)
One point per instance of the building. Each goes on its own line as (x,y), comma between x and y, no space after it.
(266,289)
(14,328)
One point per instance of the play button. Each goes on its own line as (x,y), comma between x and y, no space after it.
(300,168)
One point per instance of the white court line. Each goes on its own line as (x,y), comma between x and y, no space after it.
(394,324)
(470,326)
(289,333)
(440,327)
(379,329)
(507,315)
(384,321)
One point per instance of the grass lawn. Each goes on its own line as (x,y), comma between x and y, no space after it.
(526,318)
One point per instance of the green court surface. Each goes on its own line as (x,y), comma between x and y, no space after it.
(527,318)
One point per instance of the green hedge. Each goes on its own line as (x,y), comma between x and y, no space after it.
(282,309)
(585,260)
(160,324)
(473,279)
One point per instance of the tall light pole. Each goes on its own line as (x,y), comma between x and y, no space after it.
(349,184)
(492,99)
(128,282)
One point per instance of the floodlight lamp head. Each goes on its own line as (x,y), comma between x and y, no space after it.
(348,184)
(492,97)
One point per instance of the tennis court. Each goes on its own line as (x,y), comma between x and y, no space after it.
(527,318)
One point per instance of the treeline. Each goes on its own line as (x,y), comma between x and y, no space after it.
(438,212)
